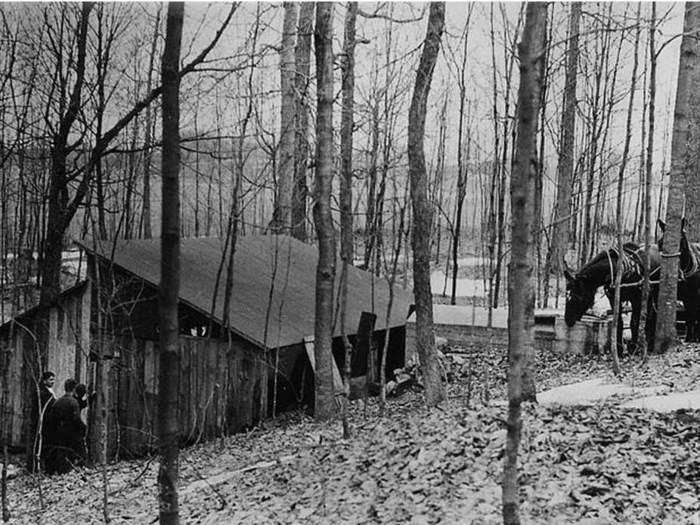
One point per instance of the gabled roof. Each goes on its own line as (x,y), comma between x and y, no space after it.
(290,316)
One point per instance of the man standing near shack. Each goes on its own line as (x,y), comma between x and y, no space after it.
(43,445)
(46,393)
(69,429)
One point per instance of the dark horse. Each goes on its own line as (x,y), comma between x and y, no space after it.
(688,281)
(600,271)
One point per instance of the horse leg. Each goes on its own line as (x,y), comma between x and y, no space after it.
(650,326)
(692,309)
(620,328)
(634,322)
(689,322)
(618,335)
(692,318)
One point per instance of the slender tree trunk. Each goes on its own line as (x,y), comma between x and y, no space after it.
(371,190)
(128,218)
(495,176)
(520,283)
(101,178)
(148,140)
(325,272)
(638,224)
(538,222)
(196,166)
(390,273)
(301,82)
(387,142)
(346,228)
(509,60)
(462,159)
(422,213)
(285,166)
(618,213)
(692,177)
(565,168)
(169,356)
(436,192)
(681,161)
(593,146)
(647,183)
(439,189)
(239,165)
(378,226)
(346,127)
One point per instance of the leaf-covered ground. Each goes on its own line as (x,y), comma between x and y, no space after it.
(597,464)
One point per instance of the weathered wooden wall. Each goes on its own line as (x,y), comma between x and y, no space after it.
(222,390)
(68,356)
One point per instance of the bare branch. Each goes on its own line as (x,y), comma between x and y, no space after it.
(112,133)
(378,14)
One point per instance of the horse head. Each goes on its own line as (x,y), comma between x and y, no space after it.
(580,296)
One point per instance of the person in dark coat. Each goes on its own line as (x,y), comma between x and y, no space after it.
(47,398)
(70,429)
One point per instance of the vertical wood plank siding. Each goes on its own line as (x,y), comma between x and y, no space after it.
(222,391)
(68,357)
(223,386)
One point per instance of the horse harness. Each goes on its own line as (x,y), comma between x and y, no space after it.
(632,267)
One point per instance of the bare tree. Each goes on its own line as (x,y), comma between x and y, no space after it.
(602,100)
(438,186)
(169,357)
(681,162)
(507,129)
(346,229)
(58,190)
(301,151)
(62,208)
(463,151)
(371,210)
(325,272)
(150,123)
(346,139)
(491,212)
(390,267)
(285,166)
(384,103)
(618,212)
(692,179)
(521,294)
(565,168)
(422,213)
(647,179)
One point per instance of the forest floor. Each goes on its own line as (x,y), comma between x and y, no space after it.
(579,464)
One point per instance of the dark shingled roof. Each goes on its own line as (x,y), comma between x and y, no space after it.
(291,315)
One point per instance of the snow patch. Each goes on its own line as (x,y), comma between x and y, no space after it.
(667,403)
(591,391)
